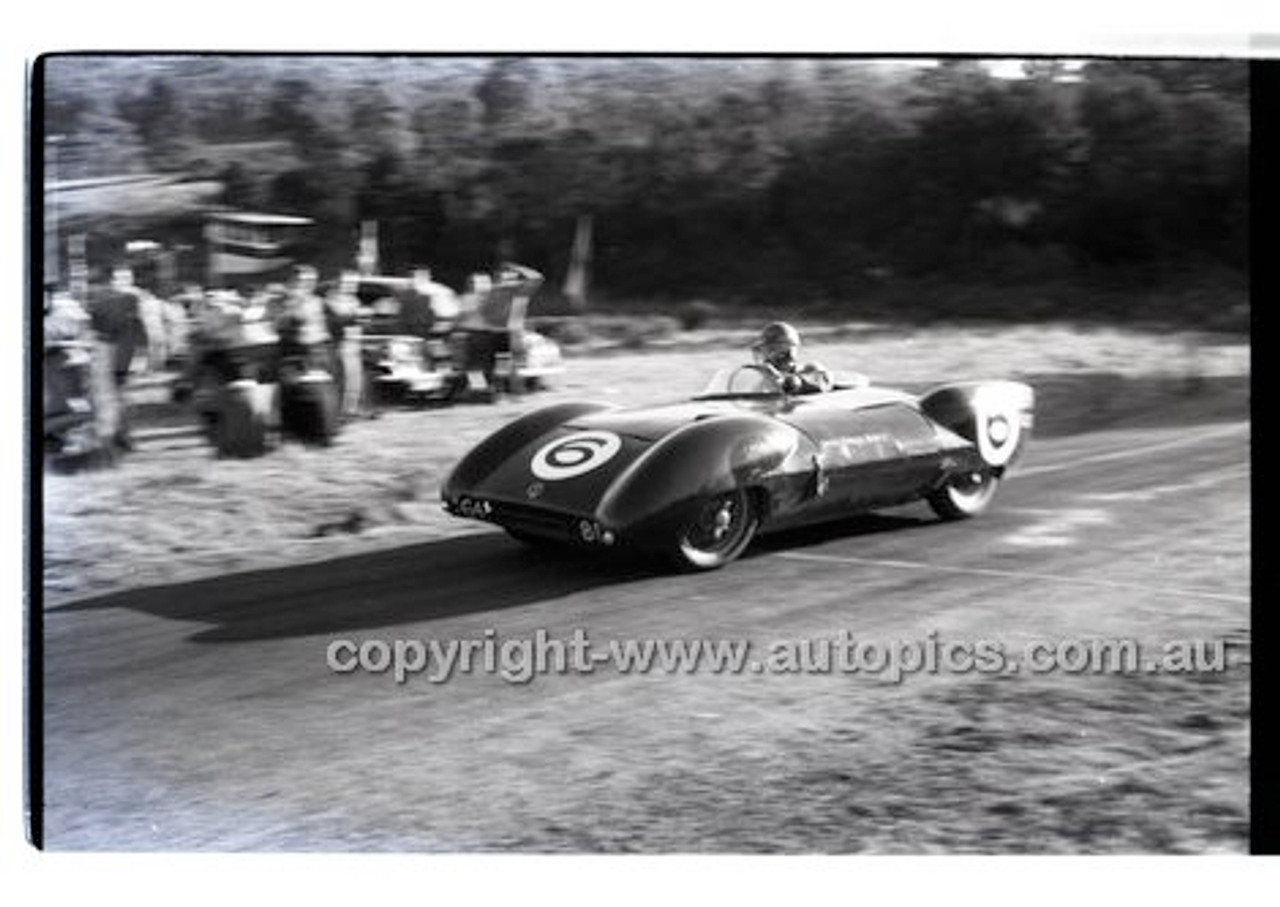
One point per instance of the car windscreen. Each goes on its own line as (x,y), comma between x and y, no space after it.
(740,381)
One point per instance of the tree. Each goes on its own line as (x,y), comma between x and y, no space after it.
(506,93)
(288,115)
(987,156)
(1228,79)
(371,121)
(157,118)
(64,111)
(1128,122)
(730,176)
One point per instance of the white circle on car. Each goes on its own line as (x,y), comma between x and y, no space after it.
(998,430)
(575,455)
(998,438)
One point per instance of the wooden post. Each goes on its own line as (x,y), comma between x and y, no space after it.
(367,254)
(575,280)
(78,268)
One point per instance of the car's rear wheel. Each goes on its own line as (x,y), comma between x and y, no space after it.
(721,528)
(964,496)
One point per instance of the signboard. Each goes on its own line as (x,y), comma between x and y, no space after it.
(244,244)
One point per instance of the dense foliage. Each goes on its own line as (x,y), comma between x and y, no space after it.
(730,178)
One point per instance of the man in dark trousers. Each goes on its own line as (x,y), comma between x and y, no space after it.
(308,397)
(429,309)
(117,322)
(494,311)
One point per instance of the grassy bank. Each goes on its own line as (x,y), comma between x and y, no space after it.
(1198,300)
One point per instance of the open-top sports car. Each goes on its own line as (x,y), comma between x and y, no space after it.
(696,480)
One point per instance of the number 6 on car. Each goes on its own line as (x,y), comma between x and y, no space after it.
(575,455)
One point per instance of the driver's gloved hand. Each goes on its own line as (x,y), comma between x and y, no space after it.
(792,384)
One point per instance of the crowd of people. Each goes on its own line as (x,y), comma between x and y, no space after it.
(266,333)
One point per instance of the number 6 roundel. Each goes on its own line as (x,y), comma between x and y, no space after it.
(574,455)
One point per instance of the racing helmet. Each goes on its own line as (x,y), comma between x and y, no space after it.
(778,344)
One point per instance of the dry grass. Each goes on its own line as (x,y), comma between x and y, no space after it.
(172,511)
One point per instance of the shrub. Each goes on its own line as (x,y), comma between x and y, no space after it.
(696,314)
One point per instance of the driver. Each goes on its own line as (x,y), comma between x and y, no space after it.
(776,351)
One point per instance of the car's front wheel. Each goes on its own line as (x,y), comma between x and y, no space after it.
(720,529)
(964,496)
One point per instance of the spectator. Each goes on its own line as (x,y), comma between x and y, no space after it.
(179,320)
(301,325)
(477,343)
(508,302)
(117,323)
(309,405)
(471,304)
(428,308)
(65,320)
(342,309)
(150,315)
(67,366)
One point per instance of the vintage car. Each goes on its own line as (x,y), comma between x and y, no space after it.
(696,480)
(399,368)
(501,352)
(512,360)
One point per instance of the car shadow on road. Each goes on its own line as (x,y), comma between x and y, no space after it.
(452,577)
(898,519)
(440,579)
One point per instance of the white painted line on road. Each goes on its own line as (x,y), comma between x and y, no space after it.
(1151,492)
(1055,528)
(1131,452)
(1010,574)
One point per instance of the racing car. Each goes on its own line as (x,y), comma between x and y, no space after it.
(697,480)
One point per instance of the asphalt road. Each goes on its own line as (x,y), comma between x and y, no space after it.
(205,716)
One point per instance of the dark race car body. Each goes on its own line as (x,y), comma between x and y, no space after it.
(698,479)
